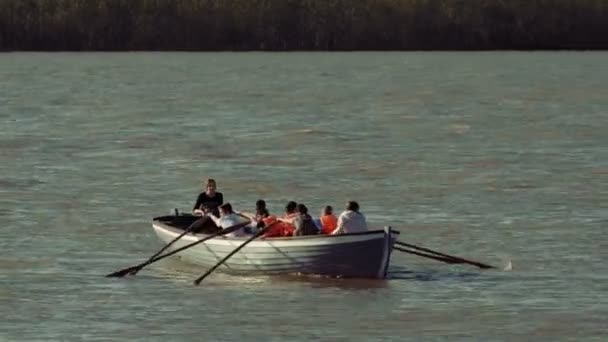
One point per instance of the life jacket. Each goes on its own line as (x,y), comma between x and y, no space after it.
(269,220)
(329,223)
(287,229)
(274,228)
(279,229)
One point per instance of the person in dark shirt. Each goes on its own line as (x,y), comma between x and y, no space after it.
(303,222)
(261,212)
(208,201)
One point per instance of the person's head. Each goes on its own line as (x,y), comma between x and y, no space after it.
(260,204)
(225,209)
(290,207)
(260,208)
(210,186)
(328,210)
(301,208)
(352,206)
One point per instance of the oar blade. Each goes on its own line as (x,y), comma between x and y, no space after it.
(198,280)
(457,260)
(434,257)
(122,273)
(134,269)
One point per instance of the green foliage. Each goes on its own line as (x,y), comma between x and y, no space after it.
(302,25)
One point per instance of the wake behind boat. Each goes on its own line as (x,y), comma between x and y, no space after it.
(354,255)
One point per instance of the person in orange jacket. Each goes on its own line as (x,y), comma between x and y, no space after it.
(329,222)
(284,226)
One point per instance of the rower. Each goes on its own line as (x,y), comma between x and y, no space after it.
(227,218)
(209,200)
(261,212)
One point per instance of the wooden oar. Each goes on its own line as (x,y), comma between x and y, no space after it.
(192,226)
(137,268)
(446,260)
(457,260)
(260,232)
(123,272)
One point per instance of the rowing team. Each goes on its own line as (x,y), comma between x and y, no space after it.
(294,222)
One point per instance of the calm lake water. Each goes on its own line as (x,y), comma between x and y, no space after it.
(496,157)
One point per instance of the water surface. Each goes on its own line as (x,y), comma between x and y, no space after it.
(490,156)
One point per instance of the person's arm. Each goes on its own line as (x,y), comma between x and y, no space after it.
(197,204)
(215,219)
(253,222)
(289,220)
(340,226)
(196,210)
(318,224)
(364,222)
(246,215)
(298,223)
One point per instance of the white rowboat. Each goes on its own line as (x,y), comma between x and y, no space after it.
(356,255)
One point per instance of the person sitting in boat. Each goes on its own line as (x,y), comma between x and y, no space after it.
(209,200)
(266,221)
(351,220)
(303,223)
(329,222)
(261,212)
(284,227)
(227,218)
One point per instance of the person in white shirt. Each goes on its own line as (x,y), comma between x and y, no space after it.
(351,220)
(227,219)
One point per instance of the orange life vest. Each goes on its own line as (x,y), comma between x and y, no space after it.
(329,223)
(275,228)
(279,229)
(269,220)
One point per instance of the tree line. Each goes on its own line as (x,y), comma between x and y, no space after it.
(278,25)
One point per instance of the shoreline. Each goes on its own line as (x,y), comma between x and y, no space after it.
(313,51)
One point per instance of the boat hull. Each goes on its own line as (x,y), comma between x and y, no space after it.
(360,255)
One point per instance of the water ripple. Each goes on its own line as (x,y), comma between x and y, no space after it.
(495,157)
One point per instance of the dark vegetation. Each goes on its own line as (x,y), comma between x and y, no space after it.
(115,25)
